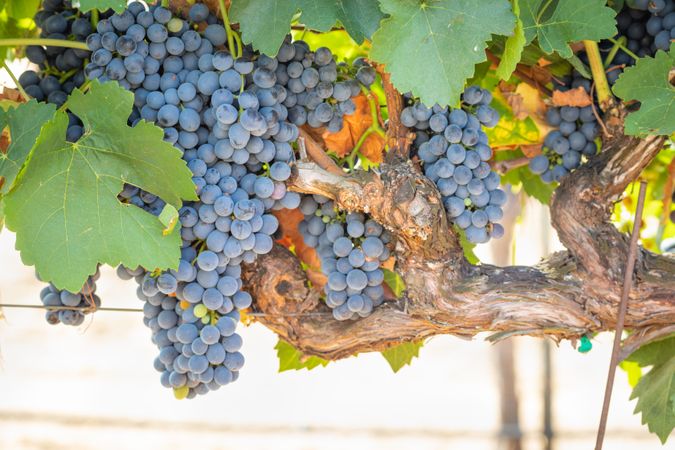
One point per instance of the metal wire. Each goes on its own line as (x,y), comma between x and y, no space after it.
(90,309)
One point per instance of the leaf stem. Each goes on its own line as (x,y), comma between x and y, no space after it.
(23,93)
(14,42)
(602,90)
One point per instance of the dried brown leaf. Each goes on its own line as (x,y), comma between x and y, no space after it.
(531,150)
(574,97)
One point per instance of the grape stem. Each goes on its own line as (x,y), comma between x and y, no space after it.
(14,42)
(373,128)
(228,29)
(67,75)
(604,94)
(23,93)
(613,51)
(94,18)
(84,88)
(620,43)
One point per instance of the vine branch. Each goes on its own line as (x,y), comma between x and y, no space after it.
(567,296)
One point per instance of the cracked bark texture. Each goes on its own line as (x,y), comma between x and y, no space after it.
(567,295)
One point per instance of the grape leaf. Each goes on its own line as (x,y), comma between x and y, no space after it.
(101,5)
(24,122)
(265,23)
(556,24)
(513,48)
(394,281)
(65,210)
(402,354)
(22,9)
(633,372)
(467,246)
(290,358)
(656,388)
(647,82)
(431,47)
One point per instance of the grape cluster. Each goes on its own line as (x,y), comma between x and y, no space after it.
(61,69)
(314,94)
(85,300)
(230,126)
(232,121)
(573,141)
(351,248)
(644,26)
(455,152)
(198,348)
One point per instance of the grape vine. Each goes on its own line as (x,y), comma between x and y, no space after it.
(242,165)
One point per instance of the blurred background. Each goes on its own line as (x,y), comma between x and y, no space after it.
(94,387)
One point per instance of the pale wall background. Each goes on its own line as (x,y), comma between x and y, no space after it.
(94,387)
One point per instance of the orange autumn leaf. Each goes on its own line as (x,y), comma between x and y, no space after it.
(291,238)
(354,126)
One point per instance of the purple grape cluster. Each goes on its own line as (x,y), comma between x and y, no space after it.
(60,69)
(351,248)
(233,120)
(62,303)
(644,26)
(572,141)
(455,152)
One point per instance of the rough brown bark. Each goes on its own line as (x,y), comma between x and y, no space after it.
(566,296)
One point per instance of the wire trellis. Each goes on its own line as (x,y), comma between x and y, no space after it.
(137,310)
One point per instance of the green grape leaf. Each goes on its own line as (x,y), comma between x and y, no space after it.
(633,372)
(556,24)
(12,28)
(394,281)
(647,82)
(513,48)
(579,66)
(265,23)
(101,5)
(65,210)
(467,246)
(169,218)
(655,390)
(24,122)
(402,354)
(22,9)
(290,358)
(430,48)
